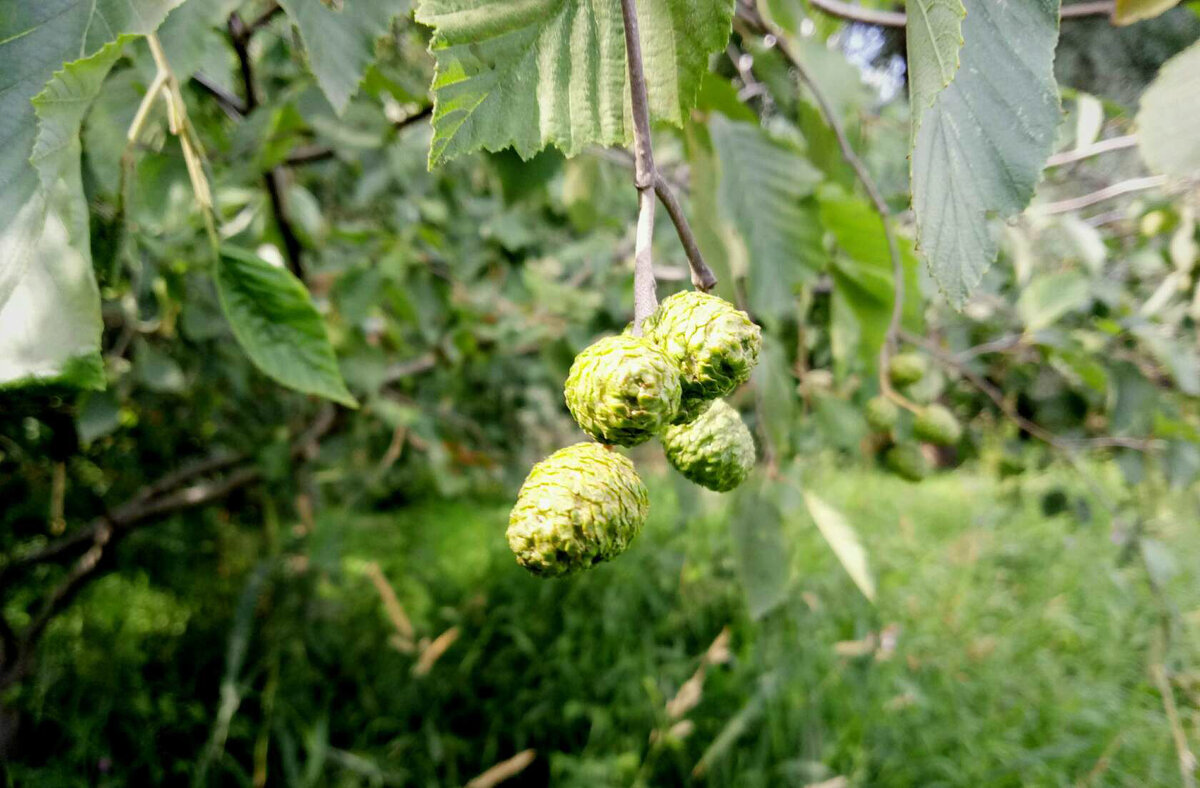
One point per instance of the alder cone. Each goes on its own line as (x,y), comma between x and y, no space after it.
(906,461)
(714,451)
(622,390)
(906,369)
(937,425)
(882,414)
(581,505)
(714,344)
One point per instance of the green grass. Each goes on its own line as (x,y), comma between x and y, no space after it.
(1019,652)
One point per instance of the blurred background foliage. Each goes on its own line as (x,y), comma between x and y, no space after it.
(356,618)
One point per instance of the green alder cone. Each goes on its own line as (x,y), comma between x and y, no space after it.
(882,414)
(937,425)
(690,408)
(622,390)
(714,451)
(906,369)
(906,461)
(581,505)
(714,344)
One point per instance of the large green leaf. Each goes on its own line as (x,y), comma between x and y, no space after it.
(531,73)
(49,307)
(51,323)
(277,325)
(341,43)
(1170,116)
(934,34)
(765,192)
(979,149)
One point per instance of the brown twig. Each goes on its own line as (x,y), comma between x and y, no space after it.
(104,532)
(275,178)
(749,14)
(1100,195)
(867,16)
(311,153)
(645,298)
(702,276)
(997,397)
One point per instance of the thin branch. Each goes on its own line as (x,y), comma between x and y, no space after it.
(645,298)
(1001,345)
(231,104)
(751,16)
(993,393)
(310,153)
(1100,195)
(274,178)
(1095,149)
(702,276)
(867,16)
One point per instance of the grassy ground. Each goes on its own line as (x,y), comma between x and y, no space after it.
(1007,647)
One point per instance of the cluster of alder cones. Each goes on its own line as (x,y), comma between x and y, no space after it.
(900,448)
(584,504)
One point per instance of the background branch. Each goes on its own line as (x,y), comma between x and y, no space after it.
(867,16)
(750,16)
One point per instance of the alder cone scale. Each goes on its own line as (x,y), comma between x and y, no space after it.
(581,505)
(622,390)
(714,451)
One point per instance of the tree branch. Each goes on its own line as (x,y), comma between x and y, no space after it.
(645,298)
(1095,149)
(702,276)
(275,178)
(867,16)
(1100,195)
(1036,430)
(104,532)
(749,14)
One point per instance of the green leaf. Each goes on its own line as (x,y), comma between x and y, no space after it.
(531,73)
(934,38)
(844,541)
(1127,12)
(341,44)
(862,274)
(51,323)
(36,39)
(1049,297)
(277,325)
(759,547)
(765,192)
(979,149)
(1170,115)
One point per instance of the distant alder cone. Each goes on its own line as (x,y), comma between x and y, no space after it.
(581,505)
(715,451)
(906,461)
(882,414)
(622,390)
(714,344)
(937,425)
(905,369)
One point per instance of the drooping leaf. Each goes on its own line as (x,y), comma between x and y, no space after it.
(934,37)
(979,149)
(1170,115)
(340,43)
(765,192)
(1049,297)
(51,323)
(862,273)
(1127,12)
(844,541)
(49,304)
(552,72)
(759,548)
(277,325)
